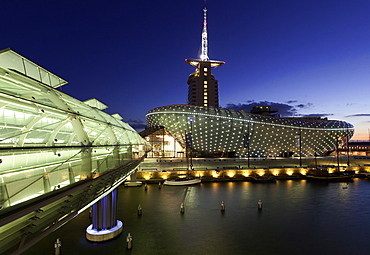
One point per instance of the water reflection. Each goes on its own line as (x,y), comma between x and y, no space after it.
(297,217)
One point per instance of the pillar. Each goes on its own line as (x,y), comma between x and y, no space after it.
(133,176)
(105,225)
(86,163)
(4,196)
(116,158)
(71,175)
(46,182)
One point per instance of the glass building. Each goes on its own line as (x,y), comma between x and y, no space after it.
(216,131)
(49,139)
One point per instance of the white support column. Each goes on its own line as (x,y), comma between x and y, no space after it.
(46,181)
(4,196)
(86,163)
(79,130)
(71,175)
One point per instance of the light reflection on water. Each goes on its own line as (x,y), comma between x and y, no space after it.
(298,217)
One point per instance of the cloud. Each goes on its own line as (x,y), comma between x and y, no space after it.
(138,125)
(285,109)
(291,101)
(317,115)
(359,115)
(135,121)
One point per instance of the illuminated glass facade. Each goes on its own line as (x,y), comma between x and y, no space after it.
(162,143)
(219,131)
(49,139)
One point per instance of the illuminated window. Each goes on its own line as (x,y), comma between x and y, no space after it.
(205,82)
(205,69)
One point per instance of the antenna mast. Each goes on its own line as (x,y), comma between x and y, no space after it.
(204,55)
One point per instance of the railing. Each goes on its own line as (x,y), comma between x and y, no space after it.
(44,171)
(26,223)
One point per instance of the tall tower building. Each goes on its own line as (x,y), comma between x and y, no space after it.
(203,87)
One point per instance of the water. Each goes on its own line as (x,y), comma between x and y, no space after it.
(298,217)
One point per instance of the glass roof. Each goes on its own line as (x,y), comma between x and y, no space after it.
(14,61)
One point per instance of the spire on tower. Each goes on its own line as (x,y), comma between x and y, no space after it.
(204,54)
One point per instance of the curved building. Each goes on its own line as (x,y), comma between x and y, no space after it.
(214,131)
(49,139)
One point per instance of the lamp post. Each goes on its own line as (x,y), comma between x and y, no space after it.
(191,143)
(246,144)
(298,138)
(347,145)
(337,147)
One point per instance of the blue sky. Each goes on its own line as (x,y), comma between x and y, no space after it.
(311,57)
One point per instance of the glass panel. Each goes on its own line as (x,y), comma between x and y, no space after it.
(10,60)
(32,70)
(45,77)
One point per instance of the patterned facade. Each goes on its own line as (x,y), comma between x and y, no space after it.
(220,131)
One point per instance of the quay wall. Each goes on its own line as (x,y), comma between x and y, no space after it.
(155,176)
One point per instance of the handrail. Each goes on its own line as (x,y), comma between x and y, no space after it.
(57,207)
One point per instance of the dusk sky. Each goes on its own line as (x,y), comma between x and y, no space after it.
(304,57)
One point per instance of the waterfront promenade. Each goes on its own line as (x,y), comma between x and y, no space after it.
(231,169)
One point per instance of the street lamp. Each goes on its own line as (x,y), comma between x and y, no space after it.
(298,138)
(191,120)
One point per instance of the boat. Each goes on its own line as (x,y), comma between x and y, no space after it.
(264,179)
(364,174)
(322,174)
(182,181)
(188,180)
(133,184)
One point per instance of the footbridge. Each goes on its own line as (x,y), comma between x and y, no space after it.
(58,156)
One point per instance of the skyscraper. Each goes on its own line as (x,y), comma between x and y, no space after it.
(203,87)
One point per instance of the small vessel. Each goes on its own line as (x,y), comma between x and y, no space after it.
(322,174)
(264,179)
(183,181)
(365,174)
(133,184)
(188,180)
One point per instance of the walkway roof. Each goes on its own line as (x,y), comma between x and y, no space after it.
(12,60)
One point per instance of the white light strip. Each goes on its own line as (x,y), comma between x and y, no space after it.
(253,121)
